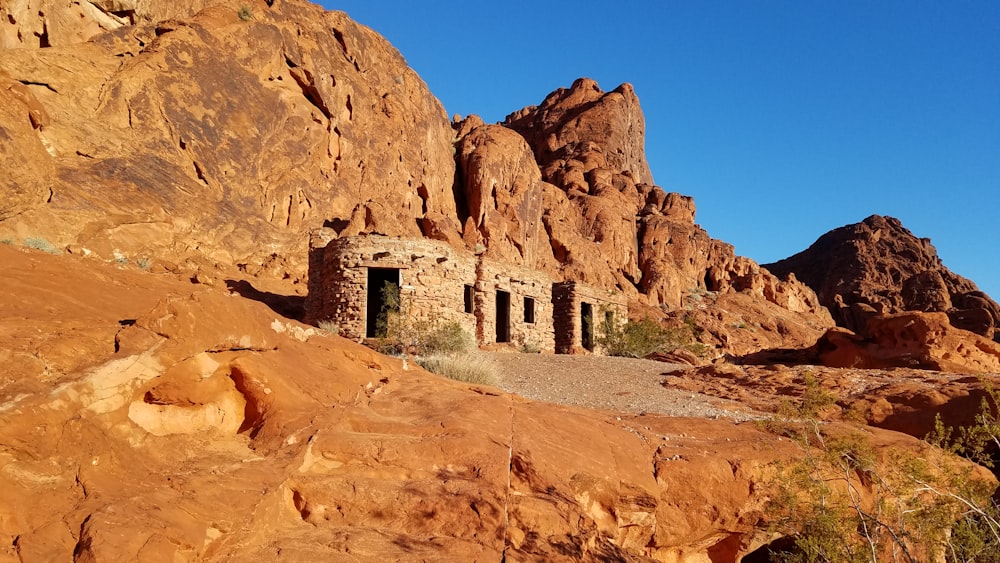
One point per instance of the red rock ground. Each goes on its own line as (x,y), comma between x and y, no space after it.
(144,417)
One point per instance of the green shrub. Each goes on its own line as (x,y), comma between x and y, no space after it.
(844,502)
(470,367)
(39,243)
(638,339)
(400,333)
(447,337)
(634,339)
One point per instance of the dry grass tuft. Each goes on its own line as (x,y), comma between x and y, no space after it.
(470,367)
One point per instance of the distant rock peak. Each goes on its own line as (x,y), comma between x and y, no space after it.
(877,266)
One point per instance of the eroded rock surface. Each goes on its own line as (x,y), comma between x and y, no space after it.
(218,139)
(608,224)
(877,266)
(151,418)
(209,138)
(903,399)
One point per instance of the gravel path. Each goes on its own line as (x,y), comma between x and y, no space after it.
(599,382)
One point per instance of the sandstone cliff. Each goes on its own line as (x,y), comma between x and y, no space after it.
(217,139)
(213,136)
(877,266)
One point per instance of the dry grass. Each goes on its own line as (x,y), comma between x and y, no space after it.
(470,367)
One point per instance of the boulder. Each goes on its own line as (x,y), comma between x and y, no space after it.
(878,266)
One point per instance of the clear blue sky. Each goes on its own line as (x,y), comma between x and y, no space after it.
(784,119)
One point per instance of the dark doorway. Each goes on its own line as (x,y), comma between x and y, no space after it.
(469,296)
(587,322)
(503,316)
(383,298)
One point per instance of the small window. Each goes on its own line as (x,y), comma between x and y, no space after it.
(529,310)
(469,303)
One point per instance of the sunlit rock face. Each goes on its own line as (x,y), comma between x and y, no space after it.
(877,266)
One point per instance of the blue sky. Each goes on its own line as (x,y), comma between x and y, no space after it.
(784,119)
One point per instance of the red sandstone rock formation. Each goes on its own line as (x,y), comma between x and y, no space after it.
(216,140)
(51,23)
(146,418)
(877,266)
(902,399)
(608,224)
(918,340)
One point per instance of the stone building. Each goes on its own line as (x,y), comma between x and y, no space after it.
(513,305)
(496,302)
(583,314)
(347,278)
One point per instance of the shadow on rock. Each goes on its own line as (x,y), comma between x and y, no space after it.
(288,306)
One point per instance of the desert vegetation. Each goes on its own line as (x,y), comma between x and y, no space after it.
(843,501)
(441,347)
(638,339)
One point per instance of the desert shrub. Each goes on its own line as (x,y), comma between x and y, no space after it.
(634,339)
(446,337)
(638,339)
(329,326)
(143,263)
(244,13)
(841,501)
(420,337)
(401,333)
(389,315)
(979,442)
(470,367)
(39,243)
(530,348)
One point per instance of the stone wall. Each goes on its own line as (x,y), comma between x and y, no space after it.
(440,283)
(530,324)
(570,300)
(432,278)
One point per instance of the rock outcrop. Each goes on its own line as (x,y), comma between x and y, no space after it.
(902,399)
(209,137)
(914,340)
(219,139)
(877,266)
(54,23)
(146,418)
(901,340)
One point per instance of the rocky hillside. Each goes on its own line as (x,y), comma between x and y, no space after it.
(147,418)
(877,266)
(213,136)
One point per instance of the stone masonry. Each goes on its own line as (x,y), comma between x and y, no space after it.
(432,279)
(529,305)
(582,315)
(494,301)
